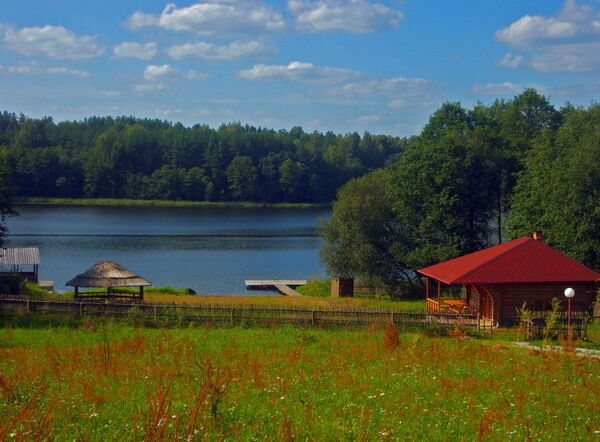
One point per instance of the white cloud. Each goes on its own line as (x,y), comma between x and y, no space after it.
(214,18)
(148,87)
(140,19)
(510,61)
(210,51)
(397,87)
(356,16)
(298,71)
(505,88)
(569,41)
(50,41)
(153,73)
(33,69)
(156,77)
(135,50)
(533,28)
(574,57)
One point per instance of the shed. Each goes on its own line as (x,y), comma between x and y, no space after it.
(109,275)
(499,279)
(24,261)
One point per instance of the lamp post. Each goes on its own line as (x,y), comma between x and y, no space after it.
(569,293)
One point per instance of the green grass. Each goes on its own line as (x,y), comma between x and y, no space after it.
(319,288)
(100,380)
(161,203)
(32,289)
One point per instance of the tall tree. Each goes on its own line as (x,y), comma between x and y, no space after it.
(559,190)
(241,175)
(363,238)
(5,201)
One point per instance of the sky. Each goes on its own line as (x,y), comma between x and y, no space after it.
(381,66)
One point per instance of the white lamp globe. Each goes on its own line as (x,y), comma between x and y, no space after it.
(569,293)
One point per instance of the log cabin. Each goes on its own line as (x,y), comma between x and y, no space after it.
(498,280)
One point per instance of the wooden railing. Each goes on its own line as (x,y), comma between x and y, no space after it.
(457,306)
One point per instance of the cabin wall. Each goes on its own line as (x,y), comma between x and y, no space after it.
(512,296)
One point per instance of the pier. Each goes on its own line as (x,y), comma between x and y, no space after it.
(283,286)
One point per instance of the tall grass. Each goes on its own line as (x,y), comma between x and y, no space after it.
(107,381)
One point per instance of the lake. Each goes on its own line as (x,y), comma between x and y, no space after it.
(211,250)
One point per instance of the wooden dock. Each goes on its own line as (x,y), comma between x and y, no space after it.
(283,286)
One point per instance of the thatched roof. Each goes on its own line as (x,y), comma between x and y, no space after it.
(107,274)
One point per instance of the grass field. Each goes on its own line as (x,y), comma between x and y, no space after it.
(161,203)
(64,379)
(276,300)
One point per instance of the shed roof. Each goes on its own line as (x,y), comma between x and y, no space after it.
(16,256)
(522,260)
(107,274)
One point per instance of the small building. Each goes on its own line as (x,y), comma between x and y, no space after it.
(500,279)
(20,261)
(108,276)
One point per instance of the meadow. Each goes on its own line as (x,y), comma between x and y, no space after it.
(70,378)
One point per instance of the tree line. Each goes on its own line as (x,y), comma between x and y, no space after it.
(472,178)
(126,157)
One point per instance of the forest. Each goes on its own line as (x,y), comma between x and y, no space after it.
(126,157)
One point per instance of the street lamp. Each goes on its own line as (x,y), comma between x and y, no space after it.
(569,293)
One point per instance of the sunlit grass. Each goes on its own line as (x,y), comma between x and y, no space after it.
(105,381)
(279,300)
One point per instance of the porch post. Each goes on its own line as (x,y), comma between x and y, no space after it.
(439,292)
(427,287)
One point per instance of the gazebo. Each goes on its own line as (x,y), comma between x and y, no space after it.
(109,275)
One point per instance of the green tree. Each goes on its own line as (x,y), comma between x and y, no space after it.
(291,177)
(363,238)
(5,200)
(559,190)
(241,176)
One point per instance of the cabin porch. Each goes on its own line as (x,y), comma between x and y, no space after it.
(439,302)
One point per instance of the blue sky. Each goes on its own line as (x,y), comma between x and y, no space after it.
(340,65)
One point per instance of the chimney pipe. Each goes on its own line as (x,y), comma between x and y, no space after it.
(539,236)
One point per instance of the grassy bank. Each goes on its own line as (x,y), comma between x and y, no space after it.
(108,381)
(276,300)
(161,203)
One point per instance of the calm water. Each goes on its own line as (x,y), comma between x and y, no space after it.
(209,250)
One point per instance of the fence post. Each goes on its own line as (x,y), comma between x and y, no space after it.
(231,315)
(81,309)
(27,306)
(155,313)
(312,319)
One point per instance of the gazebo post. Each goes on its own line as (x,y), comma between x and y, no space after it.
(76,292)
(427,287)
(141,292)
(439,292)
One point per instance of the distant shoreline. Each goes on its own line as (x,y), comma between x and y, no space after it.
(162,203)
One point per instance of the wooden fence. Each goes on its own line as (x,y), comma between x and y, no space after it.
(244,314)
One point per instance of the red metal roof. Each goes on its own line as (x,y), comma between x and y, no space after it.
(522,260)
